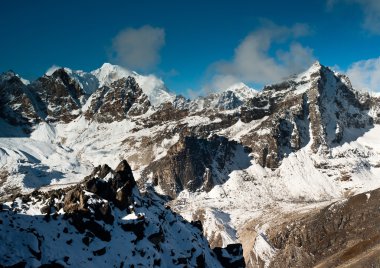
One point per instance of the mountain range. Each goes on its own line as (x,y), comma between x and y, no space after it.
(260,170)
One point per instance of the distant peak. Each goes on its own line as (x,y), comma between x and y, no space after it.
(316,67)
(317,64)
(108,65)
(241,91)
(236,86)
(9,73)
(112,67)
(241,87)
(8,76)
(62,73)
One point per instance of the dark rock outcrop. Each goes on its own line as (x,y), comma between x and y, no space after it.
(231,256)
(117,188)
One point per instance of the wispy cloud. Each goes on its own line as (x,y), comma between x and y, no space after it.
(365,74)
(371,12)
(138,49)
(253,62)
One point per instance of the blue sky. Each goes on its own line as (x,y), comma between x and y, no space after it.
(194,46)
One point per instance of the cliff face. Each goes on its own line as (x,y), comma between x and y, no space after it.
(194,163)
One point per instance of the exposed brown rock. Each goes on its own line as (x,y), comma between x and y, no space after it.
(340,234)
(75,200)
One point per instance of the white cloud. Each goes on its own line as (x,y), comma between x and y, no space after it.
(253,62)
(371,11)
(365,74)
(138,49)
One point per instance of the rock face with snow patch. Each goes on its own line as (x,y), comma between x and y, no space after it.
(115,102)
(50,98)
(59,97)
(317,106)
(16,101)
(194,163)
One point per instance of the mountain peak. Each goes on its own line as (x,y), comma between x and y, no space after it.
(60,72)
(315,67)
(112,67)
(317,64)
(242,91)
(109,73)
(10,74)
(237,86)
(107,65)
(309,73)
(7,75)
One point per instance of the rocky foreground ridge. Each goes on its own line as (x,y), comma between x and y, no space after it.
(104,221)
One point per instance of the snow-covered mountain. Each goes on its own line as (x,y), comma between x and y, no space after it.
(240,161)
(152,86)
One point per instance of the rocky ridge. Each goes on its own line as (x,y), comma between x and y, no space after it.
(104,221)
